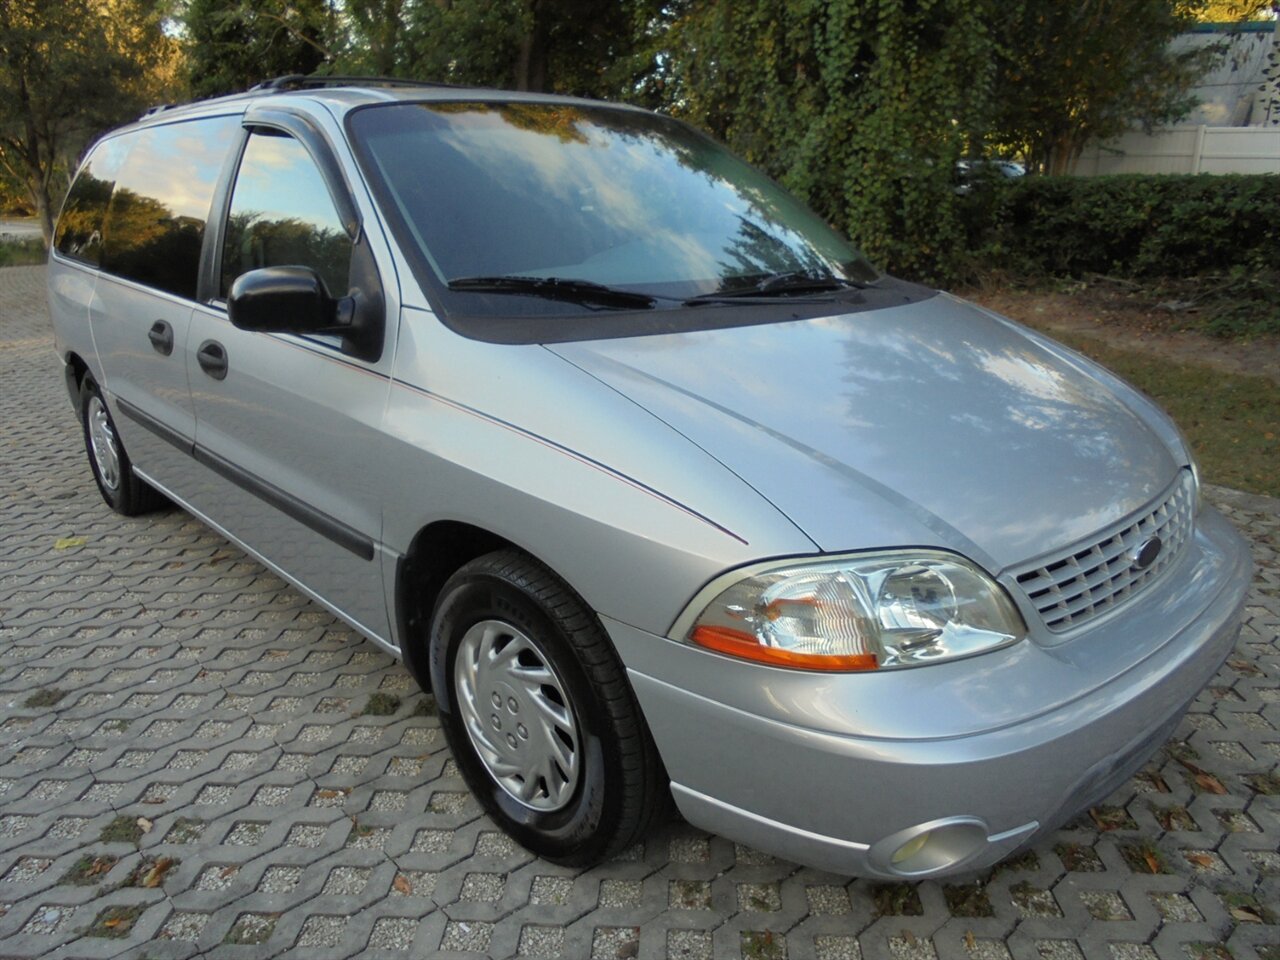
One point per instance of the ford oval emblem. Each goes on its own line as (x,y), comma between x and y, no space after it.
(1144,555)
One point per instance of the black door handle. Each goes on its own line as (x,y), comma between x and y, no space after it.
(213,359)
(161,337)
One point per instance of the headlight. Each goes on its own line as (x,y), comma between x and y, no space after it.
(867,612)
(1191,462)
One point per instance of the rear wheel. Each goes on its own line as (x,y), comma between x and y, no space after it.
(538,712)
(120,487)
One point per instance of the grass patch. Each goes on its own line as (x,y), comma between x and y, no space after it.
(896,900)
(151,872)
(115,922)
(1246,908)
(1209,951)
(691,894)
(48,697)
(1033,901)
(22,253)
(121,830)
(1142,856)
(1112,818)
(88,870)
(763,945)
(968,900)
(1264,783)
(1174,818)
(251,928)
(381,705)
(1232,421)
(426,707)
(1078,858)
(185,830)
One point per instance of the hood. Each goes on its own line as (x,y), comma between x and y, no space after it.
(933,423)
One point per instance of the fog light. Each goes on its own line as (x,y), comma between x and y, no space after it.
(929,848)
(910,848)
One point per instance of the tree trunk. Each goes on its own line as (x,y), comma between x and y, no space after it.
(531,63)
(44,212)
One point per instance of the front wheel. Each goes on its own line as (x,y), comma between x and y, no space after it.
(538,712)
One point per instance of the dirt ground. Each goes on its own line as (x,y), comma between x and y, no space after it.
(1128,320)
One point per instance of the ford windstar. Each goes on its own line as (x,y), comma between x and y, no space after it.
(655,481)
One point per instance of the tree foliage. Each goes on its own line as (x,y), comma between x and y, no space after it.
(70,69)
(1072,72)
(565,46)
(862,107)
(233,44)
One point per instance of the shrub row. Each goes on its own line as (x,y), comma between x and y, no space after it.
(1137,226)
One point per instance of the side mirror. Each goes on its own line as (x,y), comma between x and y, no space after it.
(282,300)
(294,300)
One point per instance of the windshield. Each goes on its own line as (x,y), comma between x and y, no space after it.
(616,197)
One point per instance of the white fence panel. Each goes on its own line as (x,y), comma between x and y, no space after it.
(1198,149)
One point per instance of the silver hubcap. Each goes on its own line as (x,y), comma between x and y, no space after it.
(517,714)
(103,440)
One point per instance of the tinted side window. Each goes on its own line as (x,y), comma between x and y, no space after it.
(155,224)
(79,233)
(281,215)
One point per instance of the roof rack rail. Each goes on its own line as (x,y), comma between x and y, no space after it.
(298,81)
(151,111)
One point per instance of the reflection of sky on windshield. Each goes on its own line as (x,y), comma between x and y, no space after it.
(620,199)
(177,166)
(278,180)
(617,180)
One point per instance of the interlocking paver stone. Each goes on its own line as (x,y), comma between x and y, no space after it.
(156,675)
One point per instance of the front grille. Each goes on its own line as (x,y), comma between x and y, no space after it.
(1075,587)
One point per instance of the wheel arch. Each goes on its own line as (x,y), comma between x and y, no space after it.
(75,370)
(436,552)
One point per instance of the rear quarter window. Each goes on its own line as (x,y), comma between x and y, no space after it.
(156,220)
(79,231)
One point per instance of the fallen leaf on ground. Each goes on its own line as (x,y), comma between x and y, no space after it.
(66,543)
(1200,859)
(1211,783)
(155,876)
(1246,914)
(113,922)
(402,884)
(145,825)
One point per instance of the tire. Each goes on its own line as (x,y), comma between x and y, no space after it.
(506,627)
(121,488)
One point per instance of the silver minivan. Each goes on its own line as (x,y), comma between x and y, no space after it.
(658,484)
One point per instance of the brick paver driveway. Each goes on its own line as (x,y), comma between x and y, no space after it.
(195,760)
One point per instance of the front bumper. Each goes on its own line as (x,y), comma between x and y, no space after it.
(838,771)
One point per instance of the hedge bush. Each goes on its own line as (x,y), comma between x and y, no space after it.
(1137,226)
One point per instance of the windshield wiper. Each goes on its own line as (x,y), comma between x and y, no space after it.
(778,285)
(556,288)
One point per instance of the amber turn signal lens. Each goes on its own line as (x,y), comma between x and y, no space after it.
(737,643)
